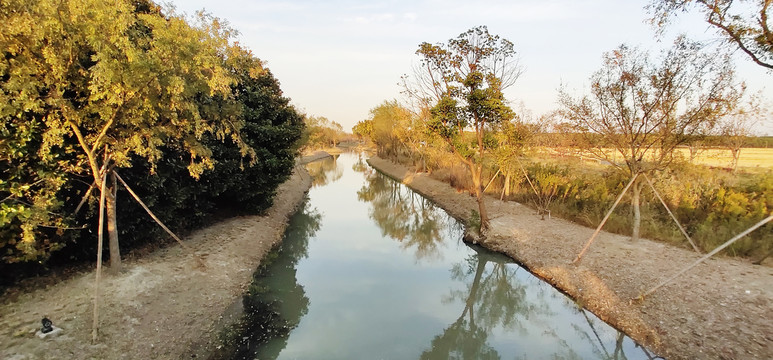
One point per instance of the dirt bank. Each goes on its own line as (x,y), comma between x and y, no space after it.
(722,309)
(163,304)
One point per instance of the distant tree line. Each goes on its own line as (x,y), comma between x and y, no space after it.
(94,90)
(320,133)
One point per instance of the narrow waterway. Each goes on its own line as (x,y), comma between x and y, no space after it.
(370,270)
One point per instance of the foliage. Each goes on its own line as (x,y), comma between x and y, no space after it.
(99,74)
(320,132)
(711,205)
(363,129)
(156,96)
(460,85)
(392,128)
(547,181)
(742,23)
(645,111)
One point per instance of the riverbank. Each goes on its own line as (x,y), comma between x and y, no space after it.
(722,309)
(164,304)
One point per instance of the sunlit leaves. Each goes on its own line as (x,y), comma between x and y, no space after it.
(83,77)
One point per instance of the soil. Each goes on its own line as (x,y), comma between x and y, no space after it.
(721,309)
(164,305)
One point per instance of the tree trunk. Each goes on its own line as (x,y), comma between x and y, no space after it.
(635,203)
(478,184)
(736,152)
(112,229)
(507,184)
(469,305)
(693,153)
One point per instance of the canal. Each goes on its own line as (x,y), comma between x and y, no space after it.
(368,269)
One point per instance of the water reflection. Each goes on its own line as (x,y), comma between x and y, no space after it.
(387,276)
(325,171)
(494,299)
(405,216)
(275,302)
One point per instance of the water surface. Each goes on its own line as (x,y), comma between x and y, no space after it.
(369,269)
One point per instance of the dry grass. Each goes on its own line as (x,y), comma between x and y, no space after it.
(750,159)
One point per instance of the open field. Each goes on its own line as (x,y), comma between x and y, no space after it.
(751,158)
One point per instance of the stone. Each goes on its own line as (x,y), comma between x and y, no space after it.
(56,331)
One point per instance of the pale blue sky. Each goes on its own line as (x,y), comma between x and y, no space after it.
(341,58)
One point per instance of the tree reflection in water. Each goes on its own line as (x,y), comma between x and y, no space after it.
(493,297)
(405,216)
(489,307)
(275,302)
(324,171)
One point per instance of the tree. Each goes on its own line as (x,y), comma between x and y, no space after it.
(744,23)
(321,132)
(363,129)
(387,122)
(736,129)
(106,81)
(642,111)
(461,84)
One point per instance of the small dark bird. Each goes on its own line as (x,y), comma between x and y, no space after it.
(47,326)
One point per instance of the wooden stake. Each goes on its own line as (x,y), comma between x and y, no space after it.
(85,197)
(702,259)
(672,215)
(539,197)
(95,320)
(92,186)
(201,262)
(598,229)
(492,179)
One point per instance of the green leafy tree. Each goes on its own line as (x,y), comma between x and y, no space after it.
(743,23)
(461,84)
(388,122)
(640,112)
(272,131)
(106,81)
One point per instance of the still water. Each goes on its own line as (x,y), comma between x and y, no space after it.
(370,270)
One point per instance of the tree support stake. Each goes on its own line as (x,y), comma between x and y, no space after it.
(604,221)
(672,215)
(201,262)
(702,259)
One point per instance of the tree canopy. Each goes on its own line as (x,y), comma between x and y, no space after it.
(743,23)
(89,86)
(644,110)
(461,84)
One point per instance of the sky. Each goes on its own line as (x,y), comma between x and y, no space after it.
(341,58)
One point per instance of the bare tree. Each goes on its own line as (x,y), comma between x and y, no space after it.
(461,84)
(637,112)
(745,23)
(736,128)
